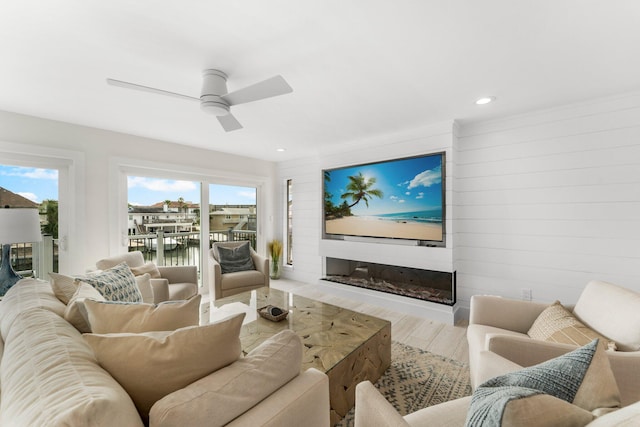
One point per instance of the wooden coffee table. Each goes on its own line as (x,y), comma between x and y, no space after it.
(349,347)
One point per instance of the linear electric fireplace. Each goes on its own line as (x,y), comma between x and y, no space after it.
(427,285)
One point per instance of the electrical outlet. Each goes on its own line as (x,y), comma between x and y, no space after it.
(526,294)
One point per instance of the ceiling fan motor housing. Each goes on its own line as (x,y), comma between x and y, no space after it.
(214,85)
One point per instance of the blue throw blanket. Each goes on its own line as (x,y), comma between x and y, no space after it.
(560,377)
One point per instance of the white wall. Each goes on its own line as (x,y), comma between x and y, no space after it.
(549,201)
(100,154)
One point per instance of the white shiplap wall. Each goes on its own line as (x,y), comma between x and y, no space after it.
(307,214)
(544,201)
(549,201)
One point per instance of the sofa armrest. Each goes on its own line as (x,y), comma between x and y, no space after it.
(179,273)
(372,409)
(303,401)
(160,289)
(491,365)
(215,278)
(261,263)
(525,351)
(450,413)
(513,315)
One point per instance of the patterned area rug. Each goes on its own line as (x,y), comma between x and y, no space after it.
(417,379)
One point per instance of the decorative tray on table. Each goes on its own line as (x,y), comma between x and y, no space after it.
(273,313)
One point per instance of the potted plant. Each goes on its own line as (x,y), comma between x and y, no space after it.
(275,251)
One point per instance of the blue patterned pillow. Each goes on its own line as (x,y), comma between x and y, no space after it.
(115,284)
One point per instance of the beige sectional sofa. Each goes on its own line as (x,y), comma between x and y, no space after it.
(49,376)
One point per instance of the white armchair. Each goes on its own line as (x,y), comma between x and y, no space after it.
(178,282)
(224,285)
(500,325)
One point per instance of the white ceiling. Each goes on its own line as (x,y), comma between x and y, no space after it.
(358,68)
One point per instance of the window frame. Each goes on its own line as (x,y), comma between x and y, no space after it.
(70,167)
(121,168)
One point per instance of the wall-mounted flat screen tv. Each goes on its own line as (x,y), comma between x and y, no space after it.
(394,199)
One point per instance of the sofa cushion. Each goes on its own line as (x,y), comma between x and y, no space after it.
(231,391)
(115,284)
(235,259)
(151,365)
(144,286)
(582,377)
(50,377)
(557,324)
(64,287)
(26,294)
(76,313)
(148,267)
(133,259)
(612,311)
(242,279)
(111,317)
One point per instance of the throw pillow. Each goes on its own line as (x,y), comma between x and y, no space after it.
(115,284)
(151,365)
(144,286)
(235,259)
(64,287)
(234,389)
(557,324)
(582,377)
(543,410)
(109,317)
(76,312)
(147,267)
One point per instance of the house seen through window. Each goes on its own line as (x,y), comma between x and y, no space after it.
(37,188)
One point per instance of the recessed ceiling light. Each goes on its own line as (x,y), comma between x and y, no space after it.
(485,100)
(280,150)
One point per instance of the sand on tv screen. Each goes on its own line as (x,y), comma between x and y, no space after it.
(397,199)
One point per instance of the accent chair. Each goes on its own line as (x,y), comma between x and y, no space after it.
(226,284)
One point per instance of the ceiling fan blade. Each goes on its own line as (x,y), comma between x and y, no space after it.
(142,88)
(265,89)
(229,123)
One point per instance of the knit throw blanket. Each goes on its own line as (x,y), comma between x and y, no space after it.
(560,377)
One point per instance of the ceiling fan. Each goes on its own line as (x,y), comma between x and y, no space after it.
(214,98)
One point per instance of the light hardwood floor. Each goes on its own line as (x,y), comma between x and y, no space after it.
(432,336)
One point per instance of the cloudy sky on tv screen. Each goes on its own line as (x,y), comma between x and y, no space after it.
(410,187)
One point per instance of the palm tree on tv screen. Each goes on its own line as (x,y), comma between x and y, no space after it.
(359,188)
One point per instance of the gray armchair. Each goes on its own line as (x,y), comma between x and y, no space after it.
(178,282)
(224,285)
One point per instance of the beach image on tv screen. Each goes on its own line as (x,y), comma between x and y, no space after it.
(401,199)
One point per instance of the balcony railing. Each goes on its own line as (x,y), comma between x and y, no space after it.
(35,259)
(39,259)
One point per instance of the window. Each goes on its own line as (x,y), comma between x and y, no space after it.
(164,220)
(233,213)
(289,222)
(28,187)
